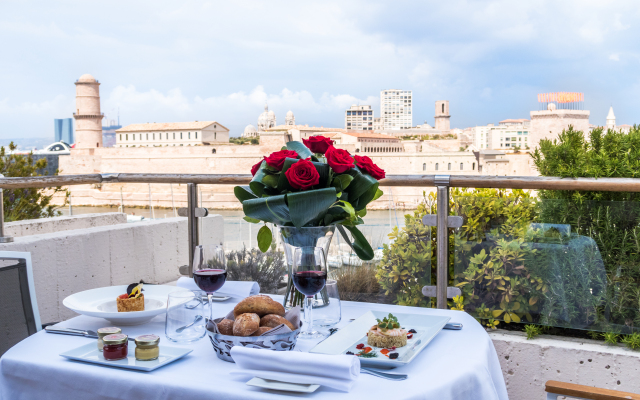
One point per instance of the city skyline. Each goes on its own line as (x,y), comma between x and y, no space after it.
(157,64)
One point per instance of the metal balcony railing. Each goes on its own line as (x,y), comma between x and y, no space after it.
(441,182)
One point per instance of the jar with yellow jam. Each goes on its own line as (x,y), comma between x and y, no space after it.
(102,332)
(147,348)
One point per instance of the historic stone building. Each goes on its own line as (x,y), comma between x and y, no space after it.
(442,116)
(196,133)
(549,123)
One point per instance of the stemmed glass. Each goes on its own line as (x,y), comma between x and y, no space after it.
(309,273)
(209,270)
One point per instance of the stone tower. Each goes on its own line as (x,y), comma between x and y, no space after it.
(611,120)
(290,119)
(443,123)
(88,117)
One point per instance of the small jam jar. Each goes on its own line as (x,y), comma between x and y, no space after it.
(147,347)
(116,347)
(102,332)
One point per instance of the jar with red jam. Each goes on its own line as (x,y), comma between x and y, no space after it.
(116,347)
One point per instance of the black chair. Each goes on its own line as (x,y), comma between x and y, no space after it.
(19,316)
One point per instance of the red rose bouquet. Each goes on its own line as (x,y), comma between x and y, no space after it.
(312,184)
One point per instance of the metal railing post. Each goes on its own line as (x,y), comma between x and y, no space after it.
(442,277)
(192,222)
(3,238)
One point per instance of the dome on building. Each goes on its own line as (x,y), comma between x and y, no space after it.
(87,78)
(266,120)
(250,131)
(551,107)
(290,119)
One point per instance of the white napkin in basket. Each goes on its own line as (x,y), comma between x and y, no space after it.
(239,289)
(335,371)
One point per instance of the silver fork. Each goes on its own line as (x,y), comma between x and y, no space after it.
(385,375)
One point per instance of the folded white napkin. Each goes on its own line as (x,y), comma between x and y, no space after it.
(335,371)
(230,288)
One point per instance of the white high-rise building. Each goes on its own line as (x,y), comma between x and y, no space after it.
(359,118)
(396,109)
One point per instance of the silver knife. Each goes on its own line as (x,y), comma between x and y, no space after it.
(75,332)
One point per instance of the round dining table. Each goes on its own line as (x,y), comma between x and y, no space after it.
(456,364)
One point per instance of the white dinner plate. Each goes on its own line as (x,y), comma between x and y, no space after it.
(101,303)
(347,338)
(284,386)
(90,353)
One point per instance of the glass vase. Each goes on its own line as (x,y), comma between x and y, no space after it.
(292,237)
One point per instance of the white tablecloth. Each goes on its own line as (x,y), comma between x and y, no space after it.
(455,365)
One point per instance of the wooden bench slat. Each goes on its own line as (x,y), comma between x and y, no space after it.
(587,392)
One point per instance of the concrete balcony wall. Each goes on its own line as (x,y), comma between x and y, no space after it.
(528,364)
(71,261)
(58,224)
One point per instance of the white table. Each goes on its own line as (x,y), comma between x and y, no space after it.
(455,365)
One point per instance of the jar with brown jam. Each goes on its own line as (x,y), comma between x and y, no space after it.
(116,347)
(102,332)
(147,348)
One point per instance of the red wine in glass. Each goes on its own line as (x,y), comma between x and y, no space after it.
(210,280)
(309,282)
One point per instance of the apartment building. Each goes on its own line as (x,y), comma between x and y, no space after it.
(171,134)
(359,118)
(396,109)
(508,134)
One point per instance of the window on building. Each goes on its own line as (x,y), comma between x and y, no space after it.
(348,112)
(121,137)
(214,134)
(473,166)
(153,136)
(424,166)
(180,136)
(189,135)
(126,137)
(461,166)
(174,135)
(437,166)
(443,108)
(449,167)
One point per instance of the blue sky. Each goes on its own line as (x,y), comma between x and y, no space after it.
(161,61)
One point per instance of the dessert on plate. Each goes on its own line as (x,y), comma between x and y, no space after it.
(133,300)
(387,333)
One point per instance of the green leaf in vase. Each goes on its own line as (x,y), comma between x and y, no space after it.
(360,245)
(272,209)
(302,150)
(243,193)
(264,238)
(251,220)
(310,205)
(361,184)
(341,182)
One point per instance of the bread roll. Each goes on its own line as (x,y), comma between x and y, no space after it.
(261,330)
(273,320)
(246,324)
(259,304)
(225,327)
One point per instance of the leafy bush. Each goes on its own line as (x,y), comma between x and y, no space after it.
(268,269)
(611,220)
(357,283)
(28,203)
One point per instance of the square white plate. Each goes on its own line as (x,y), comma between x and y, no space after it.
(90,353)
(347,338)
(285,386)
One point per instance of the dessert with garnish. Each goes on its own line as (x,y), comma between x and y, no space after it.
(133,300)
(387,333)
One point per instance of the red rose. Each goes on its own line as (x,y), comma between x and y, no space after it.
(302,175)
(276,159)
(318,144)
(338,159)
(365,164)
(256,167)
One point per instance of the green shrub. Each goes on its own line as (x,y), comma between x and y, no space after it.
(28,203)
(268,269)
(611,220)
(632,341)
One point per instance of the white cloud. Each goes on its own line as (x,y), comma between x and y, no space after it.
(614,57)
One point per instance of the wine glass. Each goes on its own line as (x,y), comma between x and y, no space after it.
(209,270)
(309,273)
